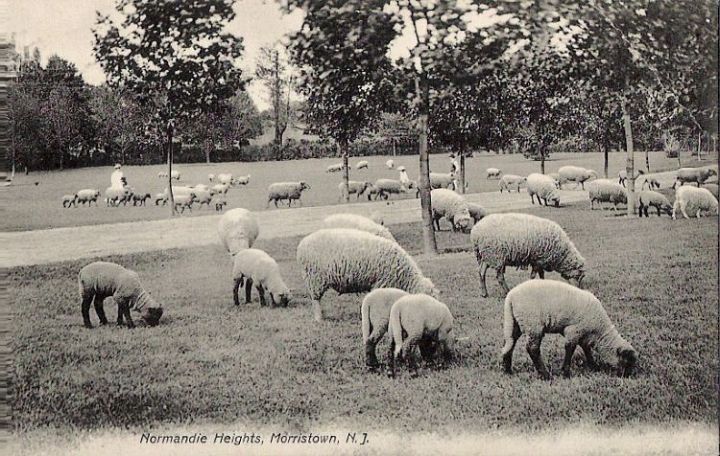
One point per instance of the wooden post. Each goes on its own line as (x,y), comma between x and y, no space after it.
(171,197)
(630,165)
(462,172)
(343,149)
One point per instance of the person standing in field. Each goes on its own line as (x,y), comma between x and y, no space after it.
(117,179)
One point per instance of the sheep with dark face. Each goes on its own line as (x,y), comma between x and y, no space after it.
(695,200)
(256,267)
(650,198)
(696,175)
(451,206)
(543,187)
(289,191)
(138,199)
(69,200)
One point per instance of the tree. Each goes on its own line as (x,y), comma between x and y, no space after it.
(274,72)
(119,121)
(174,56)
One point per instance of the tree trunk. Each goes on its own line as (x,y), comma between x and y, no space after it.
(630,165)
(699,143)
(606,159)
(343,150)
(171,197)
(429,241)
(207,152)
(647,160)
(542,158)
(462,172)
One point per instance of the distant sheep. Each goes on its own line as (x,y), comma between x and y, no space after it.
(651,182)
(69,200)
(510,181)
(451,206)
(211,177)
(256,267)
(241,180)
(357,222)
(575,174)
(622,175)
(539,307)
(543,187)
(238,229)
(161,197)
(693,199)
(443,180)
(224,178)
(390,164)
(387,187)
(220,189)
(650,198)
(203,197)
(337,167)
(88,195)
(354,187)
(606,191)
(493,173)
(219,205)
(375,314)
(697,175)
(289,191)
(115,196)
(164,174)
(184,201)
(139,199)
(362,164)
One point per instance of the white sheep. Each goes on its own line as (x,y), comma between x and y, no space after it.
(451,206)
(362,164)
(353,261)
(556,178)
(354,187)
(390,164)
(183,201)
(224,178)
(174,174)
(238,229)
(375,313)
(203,197)
(575,174)
(115,196)
(139,199)
(544,187)
(650,198)
(256,267)
(286,191)
(693,199)
(606,191)
(419,319)
(509,181)
(357,222)
(622,176)
(443,180)
(88,195)
(161,197)
(539,307)
(200,187)
(219,205)
(69,200)
(523,240)
(697,175)
(220,188)
(211,177)
(242,180)
(477,212)
(494,173)
(334,168)
(101,279)
(383,188)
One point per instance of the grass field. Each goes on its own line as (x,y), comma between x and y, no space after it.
(25,206)
(210,362)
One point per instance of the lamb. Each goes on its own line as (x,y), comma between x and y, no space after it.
(390,164)
(69,200)
(254,266)
(211,177)
(386,187)
(423,319)
(115,196)
(88,195)
(335,168)
(174,175)
(242,180)
(238,229)
(161,197)
(184,200)
(650,182)
(353,261)
(375,312)
(286,190)
(694,199)
(354,187)
(494,173)
(622,175)
(203,197)
(697,175)
(220,189)
(509,181)
(477,212)
(522,240)
(357,222)
(138,199)
(443,180)
(224,178)
(219,205)
(539,307)
(543,187)
(575,174)
(453,207)
(101,279)
(650,198)
(713,188)
(606,191)
(362,164)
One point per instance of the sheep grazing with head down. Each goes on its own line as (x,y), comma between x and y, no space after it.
(451,206)
(510,181)
(101,279)
(375,312)
(238,229)
(353,187)
(606,191)
(353,261)
(522,240)
(695,200)
(419,318)
(383,188)
(255,267)
(443,180)
(357,222)
(539,307)
(696,175)
(493,173)
(650,198)
(88,195)
(337,167)
(575,174)
(289,191)
(241,180)
(543,187)
(69,200)
(362,164)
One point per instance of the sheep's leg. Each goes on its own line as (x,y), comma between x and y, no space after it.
(99,310)
(537,270)
(532,199)
(508,348)
(261,293)
(571,342)
(501,279)
(248,289)
(533,349)
(391,357)
(589,359)
(408,355)
(370,356)
(121,315)
(683,206)
(483,270)
(236,288)
(126,312)
(85,308)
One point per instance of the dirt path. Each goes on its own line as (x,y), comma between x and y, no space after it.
(61,244)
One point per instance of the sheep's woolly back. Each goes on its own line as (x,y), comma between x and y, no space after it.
(417,314)
(605,190)
(449,204)
(508,180)
(696,199)
(523,239)
(87,194)
(352,261)
(698,175)
(441,180)
(390,186)
(357,222)
(653,198)
(283,190)
(575,173)
(110,279)
(542,185)
(238,229)
(261,268)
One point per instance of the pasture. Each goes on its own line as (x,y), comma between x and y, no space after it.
(29,207)
(212,362)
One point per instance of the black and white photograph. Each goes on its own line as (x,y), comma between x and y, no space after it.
(359,227)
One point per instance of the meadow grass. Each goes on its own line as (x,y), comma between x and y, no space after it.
(211,362)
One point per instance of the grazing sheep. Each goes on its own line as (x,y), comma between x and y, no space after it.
(238,228)
(539,307)
(651,182)
(357,222)
(451,206)
(421,318)
(509,181)
(522,240)
(693,199)
(161,197)
(335,168)
(184,200)
(697,175)
(383,188)
(224,178)
(88,195)
(650,198)
(362,164)
(219,205)
(575,174)
(101,279)
(494,173)
(477,212)
(138,199)
(375,312)
(174,175)
(115,196)
(713,188)
(622,175)
(69,200)
(254,266)
(606,191)
(211,177)
(353,261)
(242,180)
(390,164)
(543,187)
(372,192)
(354,187)
(203,197)
(443,180)
(220,189)
(286,191)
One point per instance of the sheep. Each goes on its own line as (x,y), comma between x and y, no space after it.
(101,279)
(606,191)
(219,205)
(138,199)
(650,198)
(477,212)
(211,177)
(203,197)
(255,267)
(200,187)
(575,174)
(697,175)
(521,240)
(495,173)
(713,188)
(423,319)
(390,164)
(353,187)
(115,196)
(353,261)
(556,178)
(174,175)
(238,229)
(220,188)
(69,200)
(622,175)
(335,168)
(184,200)
(224,178)
(386,187)
(242,180)
(357,222)
(161,197)
(286,190)
(509,181)
(651,182)
(694,199)
(362,164)
(539,307)
(453,207)
(88,195)
(375,313)
(543,187)
(372,191)
(443,180)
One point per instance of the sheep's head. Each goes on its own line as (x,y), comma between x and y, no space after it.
(427,287)
(575,276)
(463,222)
(555,199)
(626,360)
(304,186)
(151,315)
